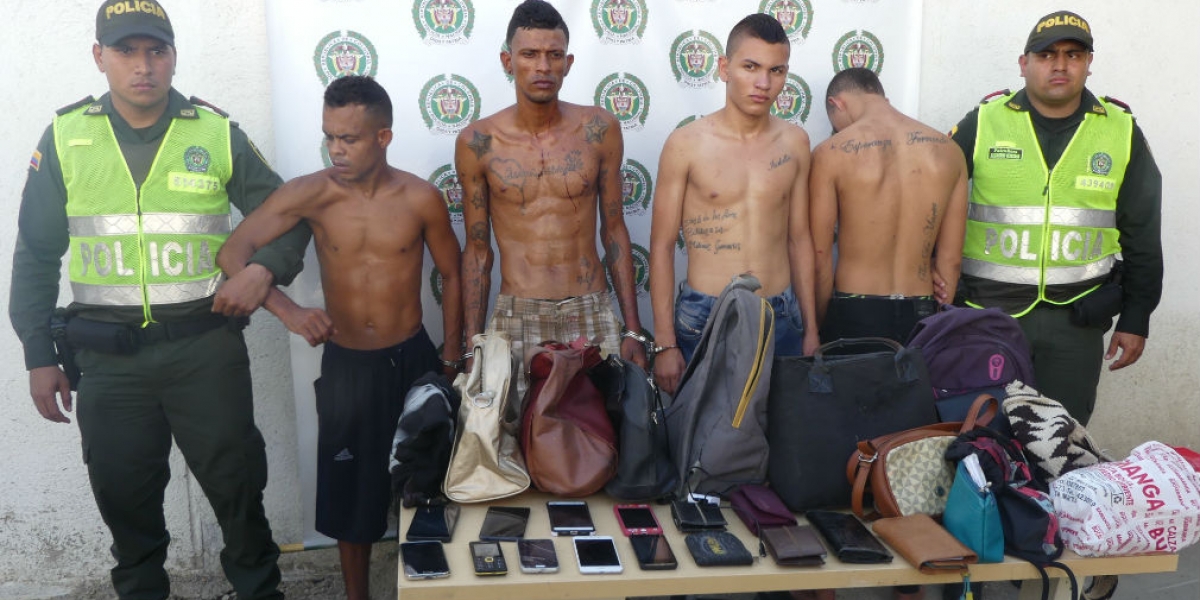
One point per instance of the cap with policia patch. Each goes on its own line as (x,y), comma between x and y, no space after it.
(119,19)
(1056,27)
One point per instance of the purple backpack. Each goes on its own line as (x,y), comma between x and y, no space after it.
(968,349)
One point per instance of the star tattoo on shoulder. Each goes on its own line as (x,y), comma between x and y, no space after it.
(595,130)
(480,144)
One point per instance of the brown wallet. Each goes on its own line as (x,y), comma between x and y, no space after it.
(925,544)
(794,546)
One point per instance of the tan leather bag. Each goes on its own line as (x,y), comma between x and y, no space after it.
(907,472)
(486,463)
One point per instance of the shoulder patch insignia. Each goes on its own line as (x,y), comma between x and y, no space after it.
(1125,107)
(209,105)
(70,107)
(997,93)
(35,161)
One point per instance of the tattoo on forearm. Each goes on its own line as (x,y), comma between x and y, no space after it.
(479,233)
(916,137)
(595,129)
(480,144)
(856,146)
(929,229)
(779,162)
(477,199)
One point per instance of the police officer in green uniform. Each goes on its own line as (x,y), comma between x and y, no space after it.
(135,187)
(1063,228)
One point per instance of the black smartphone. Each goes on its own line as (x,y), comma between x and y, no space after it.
(570,517)
(433,523)
(504,523)
(424,560)
(537,556)
(653,552)
(489,559)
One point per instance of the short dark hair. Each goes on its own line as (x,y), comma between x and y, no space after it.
(535,14)
(759,26)
(856,79)
(364,90)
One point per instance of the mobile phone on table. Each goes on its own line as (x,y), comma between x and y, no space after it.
(653,552)
(637,519)
(433,523)
(504,523)
(596,555)
(570,517)
(424,560)
(537,556)
(488,558)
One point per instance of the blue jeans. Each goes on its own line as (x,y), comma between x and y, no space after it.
(693,308)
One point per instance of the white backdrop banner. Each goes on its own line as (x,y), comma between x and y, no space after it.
(652,63)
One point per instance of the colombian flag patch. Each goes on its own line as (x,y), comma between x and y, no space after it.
(35,161)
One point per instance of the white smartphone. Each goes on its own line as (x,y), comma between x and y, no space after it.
(597,555)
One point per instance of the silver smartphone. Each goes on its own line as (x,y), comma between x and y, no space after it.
(537,556)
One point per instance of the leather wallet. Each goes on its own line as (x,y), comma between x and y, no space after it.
(925,544)
(794,546)
(697,516)
(759,507)
(433,523)
(848,538)
(717,549)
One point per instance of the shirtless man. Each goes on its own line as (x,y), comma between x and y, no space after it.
(737,215)
(533,172)
(895,190)
(370,222)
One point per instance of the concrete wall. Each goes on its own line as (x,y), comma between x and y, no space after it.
(50,532)
(1146,59)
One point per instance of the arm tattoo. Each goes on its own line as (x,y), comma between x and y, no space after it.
(480,144)
(595,130)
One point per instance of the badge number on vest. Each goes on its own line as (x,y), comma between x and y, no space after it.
(194,183)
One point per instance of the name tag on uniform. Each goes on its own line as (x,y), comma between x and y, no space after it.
(194,183)
(1005,153)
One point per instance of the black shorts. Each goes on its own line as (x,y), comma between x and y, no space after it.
(360,396)
(855,316)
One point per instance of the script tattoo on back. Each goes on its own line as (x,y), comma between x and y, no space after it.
(856,146)
(916,137)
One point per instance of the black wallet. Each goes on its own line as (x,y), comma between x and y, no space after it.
(697,516)
(848,537)
(433,523)
(717,549)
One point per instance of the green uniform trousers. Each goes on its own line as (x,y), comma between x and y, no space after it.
(1066,358)
(197,390)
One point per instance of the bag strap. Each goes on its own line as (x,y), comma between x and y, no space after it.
(985,408)
(866,456)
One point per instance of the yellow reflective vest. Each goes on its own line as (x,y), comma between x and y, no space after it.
(1045,231)
(153,245)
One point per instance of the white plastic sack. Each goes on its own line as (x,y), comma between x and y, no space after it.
(1149,502)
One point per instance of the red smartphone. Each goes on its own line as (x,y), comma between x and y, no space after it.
(637,519)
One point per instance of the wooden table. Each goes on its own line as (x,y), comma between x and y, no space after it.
(763,575)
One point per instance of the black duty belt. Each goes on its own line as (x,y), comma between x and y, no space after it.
(123,338)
